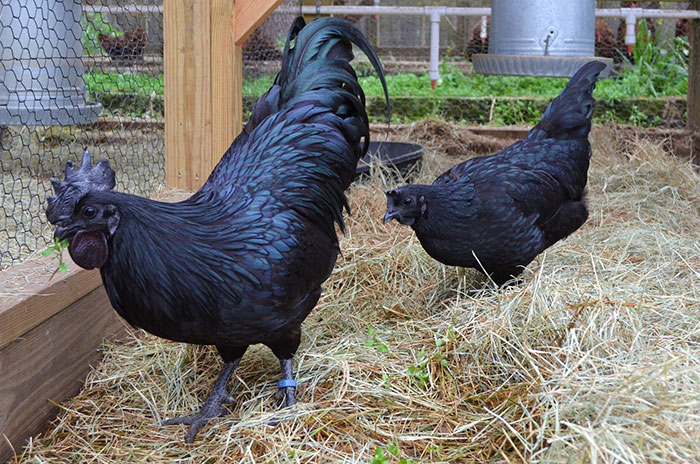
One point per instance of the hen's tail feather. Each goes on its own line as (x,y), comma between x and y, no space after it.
(569,115)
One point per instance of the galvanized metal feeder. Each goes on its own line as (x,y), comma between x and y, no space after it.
(41,67)
(540,38)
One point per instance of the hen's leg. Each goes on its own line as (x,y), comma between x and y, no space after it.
(212,406)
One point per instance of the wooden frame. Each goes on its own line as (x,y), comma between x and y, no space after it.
(693,120)
(203,81)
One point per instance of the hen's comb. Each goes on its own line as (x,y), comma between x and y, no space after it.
(76,184)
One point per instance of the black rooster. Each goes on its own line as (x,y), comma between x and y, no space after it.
(496,213)
(242,260)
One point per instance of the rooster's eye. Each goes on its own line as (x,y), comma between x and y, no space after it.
(408,200)
(89,212)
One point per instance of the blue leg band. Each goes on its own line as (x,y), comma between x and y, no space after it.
(287,383)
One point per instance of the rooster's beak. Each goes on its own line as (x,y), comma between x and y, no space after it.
(64,233)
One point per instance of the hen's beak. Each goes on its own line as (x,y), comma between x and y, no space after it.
(390,215)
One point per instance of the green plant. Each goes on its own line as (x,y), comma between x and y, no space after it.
(132,83)
(392,454)
(374,341)
(419,373)
(57,251)
(442,344)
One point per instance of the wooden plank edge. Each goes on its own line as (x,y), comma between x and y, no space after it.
(49,364)
(29,295)
(693,109)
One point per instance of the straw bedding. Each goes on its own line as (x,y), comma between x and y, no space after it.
(595,357)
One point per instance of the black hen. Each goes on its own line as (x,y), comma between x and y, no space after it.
(496,213)
(242,260)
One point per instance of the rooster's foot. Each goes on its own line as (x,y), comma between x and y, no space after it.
(212,406)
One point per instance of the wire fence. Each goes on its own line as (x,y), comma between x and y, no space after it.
(76,74)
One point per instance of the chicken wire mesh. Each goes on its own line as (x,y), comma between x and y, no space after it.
(115,107)
(74,76)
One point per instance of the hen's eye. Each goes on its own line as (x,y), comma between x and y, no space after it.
(89,212)
(408,200)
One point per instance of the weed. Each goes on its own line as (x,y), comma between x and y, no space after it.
(374,341)
(57,250)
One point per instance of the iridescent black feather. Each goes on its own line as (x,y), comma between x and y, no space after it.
(496,213)
(242,260)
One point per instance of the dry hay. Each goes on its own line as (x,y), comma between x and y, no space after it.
(594,358)
(451,139)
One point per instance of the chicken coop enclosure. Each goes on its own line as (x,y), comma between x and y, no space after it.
(93,74)
(100,84)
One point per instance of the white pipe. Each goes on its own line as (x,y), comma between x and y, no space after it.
(458,11)
(646,13)
(390,10)
(434,71)
(483,33)
(630,30)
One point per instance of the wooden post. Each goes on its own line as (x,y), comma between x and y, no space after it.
(203,79)
(203,82)
(694,72)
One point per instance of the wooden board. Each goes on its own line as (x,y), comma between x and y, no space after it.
(28,297)
(227,82)
(188,97)
(203,88)
(49,364)
(249,15)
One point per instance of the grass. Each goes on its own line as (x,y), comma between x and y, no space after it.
(134,83)
(658,72)
(595,357)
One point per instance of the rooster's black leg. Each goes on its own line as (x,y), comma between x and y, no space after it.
(287,387)
(212,406)
(284,348)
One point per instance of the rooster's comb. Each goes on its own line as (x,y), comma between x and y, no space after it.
(76,184)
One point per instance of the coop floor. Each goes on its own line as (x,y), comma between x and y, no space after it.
(595,356)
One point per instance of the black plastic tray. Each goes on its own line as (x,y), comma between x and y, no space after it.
(399,154)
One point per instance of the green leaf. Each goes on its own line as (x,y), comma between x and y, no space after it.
(48,252)
(63,267)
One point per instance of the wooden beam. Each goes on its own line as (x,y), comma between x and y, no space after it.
(249,15)
(28,298)
(227,78)
(48,365)
(203,80)
(694,72)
